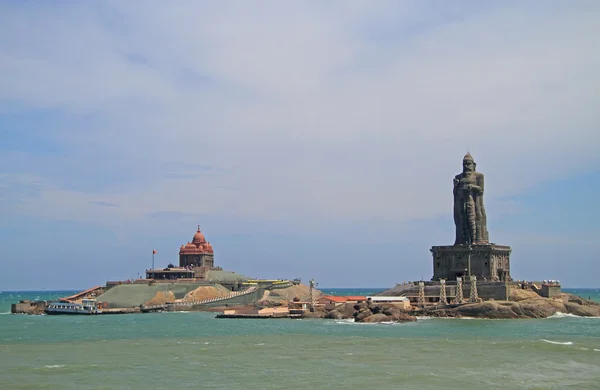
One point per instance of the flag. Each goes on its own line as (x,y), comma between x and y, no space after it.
(154,252)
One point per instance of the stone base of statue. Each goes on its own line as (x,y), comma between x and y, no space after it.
(485,261)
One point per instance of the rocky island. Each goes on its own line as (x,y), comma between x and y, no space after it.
(472,277)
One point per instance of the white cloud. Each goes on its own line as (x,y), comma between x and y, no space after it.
(308,111)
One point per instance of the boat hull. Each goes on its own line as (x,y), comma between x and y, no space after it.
(69,312)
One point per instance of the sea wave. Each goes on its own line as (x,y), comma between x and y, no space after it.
(558,342)
(344,321)
(352,322)
(559,314)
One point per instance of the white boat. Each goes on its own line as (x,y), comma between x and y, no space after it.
(87,306)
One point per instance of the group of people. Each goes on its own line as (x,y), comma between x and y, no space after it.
(551,281)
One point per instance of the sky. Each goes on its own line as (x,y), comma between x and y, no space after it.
(307,139)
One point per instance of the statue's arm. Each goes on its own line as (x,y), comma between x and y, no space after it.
(479,187)
(455,189)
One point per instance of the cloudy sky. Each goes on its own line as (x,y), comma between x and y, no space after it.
(307,138)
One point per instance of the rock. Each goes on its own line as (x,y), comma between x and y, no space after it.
(522,304)
(582,310)
(29,307)
(347,310)
(380,317)
(524,308)
(580,301)
(537,308)
(360,315)
(517,295)
(403,316)
(375,313)
(334,315)
(489,309)
(314,314)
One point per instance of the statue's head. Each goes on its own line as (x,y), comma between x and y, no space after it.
(468,163)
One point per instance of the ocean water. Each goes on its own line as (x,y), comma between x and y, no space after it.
(196,350)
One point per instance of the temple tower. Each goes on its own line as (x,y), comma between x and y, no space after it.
(198,253)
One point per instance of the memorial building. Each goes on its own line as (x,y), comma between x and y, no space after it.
(196,258)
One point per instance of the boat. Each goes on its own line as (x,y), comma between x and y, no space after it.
(87,306)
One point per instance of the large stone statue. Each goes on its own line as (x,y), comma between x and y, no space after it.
(472,254)
(469,212)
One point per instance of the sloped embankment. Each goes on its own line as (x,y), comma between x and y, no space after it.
(206,292)
(161,298)
(281,296)
(133,295)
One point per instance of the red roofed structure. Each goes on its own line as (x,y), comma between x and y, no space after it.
(332,298)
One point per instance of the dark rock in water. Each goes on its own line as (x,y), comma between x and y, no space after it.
(488,309)
(334,315)
(364,312)
(360,315)
(582,310)
(377,318)
(580,301)
(29,307)
(347,310)
(523,308)
(371,313)
(314,314)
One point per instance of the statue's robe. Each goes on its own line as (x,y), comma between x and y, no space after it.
(469,212)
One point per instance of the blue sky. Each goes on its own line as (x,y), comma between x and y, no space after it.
(308,139)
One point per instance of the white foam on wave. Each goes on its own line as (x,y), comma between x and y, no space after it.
(558,342)
(387,323)
(7,312)
(559,314)
(344,321)
(350,321)
(55,366)
(450,318)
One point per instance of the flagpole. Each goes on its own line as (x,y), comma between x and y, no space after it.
(153,259)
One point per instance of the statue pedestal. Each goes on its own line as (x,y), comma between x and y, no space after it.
(490,262)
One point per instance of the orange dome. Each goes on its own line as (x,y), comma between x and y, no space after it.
(198,237)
